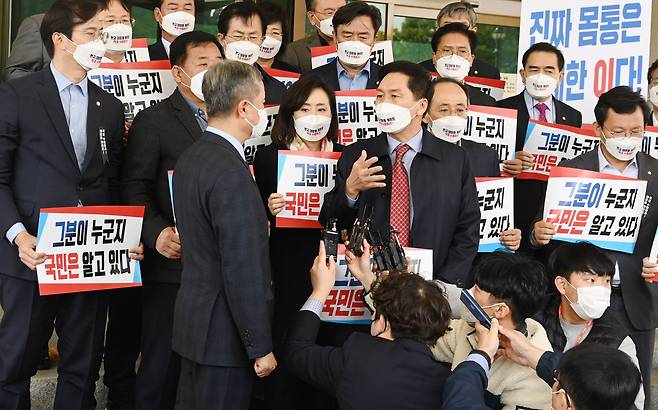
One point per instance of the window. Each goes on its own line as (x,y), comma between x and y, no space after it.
(499,45)
(412,38)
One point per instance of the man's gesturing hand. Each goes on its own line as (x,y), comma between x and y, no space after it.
(364,176)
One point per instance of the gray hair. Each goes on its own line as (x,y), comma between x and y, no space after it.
(458,7)
(227,83)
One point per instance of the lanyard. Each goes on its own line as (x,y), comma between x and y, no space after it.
(582,333)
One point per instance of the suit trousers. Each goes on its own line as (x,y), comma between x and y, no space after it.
(27,324)
(159,369)
(205,387)
(122,346)
(644,342)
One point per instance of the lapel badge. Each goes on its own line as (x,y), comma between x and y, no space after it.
(98,103)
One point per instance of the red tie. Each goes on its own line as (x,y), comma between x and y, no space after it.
(400,196)
(541,107)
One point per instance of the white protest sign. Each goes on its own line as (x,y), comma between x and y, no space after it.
(496,200)
(494,127)
(356,115)
(254,144)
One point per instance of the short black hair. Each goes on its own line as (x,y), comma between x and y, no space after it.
(198,4)
(283,131)
(443,80)
(244,10)
(517,280)
(454,28)
(547,48)
(420,81)
(350,11)
(414,307)
(310,5)
(599,377)
(273,13)
(64,15)
(182,44)
(622,100)
(653,68)
(569,258)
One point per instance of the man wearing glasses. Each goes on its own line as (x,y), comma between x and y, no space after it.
(621,116)
(52,125)
(241,29)
(320,14)
(652,78)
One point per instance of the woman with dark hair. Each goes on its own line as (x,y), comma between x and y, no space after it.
(276,37)
(307,121)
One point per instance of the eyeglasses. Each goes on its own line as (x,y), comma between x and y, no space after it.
(125,21)
(634,133)
(244,37)
(91,34)
(461,52)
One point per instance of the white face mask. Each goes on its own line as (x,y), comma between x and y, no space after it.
(326,26)
(89,55)
(178,23)
(312,127)
(540,85)
(119,37)
(243,51)
(453,66)
(623,148)
(353,53)
(270,47)
(653,95)
(450,128)
(592,301)
(393,118)
(259,128)
(196,83)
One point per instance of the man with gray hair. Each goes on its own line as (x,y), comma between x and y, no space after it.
(222,317)
(463,12)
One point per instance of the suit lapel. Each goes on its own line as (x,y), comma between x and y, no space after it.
(93,124)
(373,78)
(560,117)
(53,105)
(185,115)
(332,75)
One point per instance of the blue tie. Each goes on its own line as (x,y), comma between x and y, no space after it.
(204,121)
(76,119)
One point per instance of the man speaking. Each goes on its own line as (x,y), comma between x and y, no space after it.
(222,322)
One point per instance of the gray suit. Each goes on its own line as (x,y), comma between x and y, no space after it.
(28,53)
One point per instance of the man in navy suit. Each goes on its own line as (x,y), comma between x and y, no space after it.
(51,126)
(355,30)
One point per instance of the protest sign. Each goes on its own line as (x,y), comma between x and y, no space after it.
(356,115)
(254,144)
(494,127)
(286,77)
(489,86)
(551,143)
(303,178)
(87,248)
(496,200)
(600,208)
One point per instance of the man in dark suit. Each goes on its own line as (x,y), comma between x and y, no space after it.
(392,367)
(453,46)
(652,80)
(355,31)
(241,29)
(159,135)
(180,20)
(543,69)
(51,156)
(463,12)
(319,13)
(447,117)
(28,54)
(395,176)
(222,318)
(622,113)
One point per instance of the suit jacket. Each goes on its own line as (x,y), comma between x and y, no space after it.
(529,194)
(298,53)
(477,97)
(464,389)
(479,68)
(366,372)
(329,73)
(157,51)
(38,166)
(483,159)
(636,293)
(28,54)
(158,136)
(446,214)
(274,89)
(222,315)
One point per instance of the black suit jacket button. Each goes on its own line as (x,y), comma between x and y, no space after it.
(79,188)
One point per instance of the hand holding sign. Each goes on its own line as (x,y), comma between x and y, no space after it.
(364,176)
(26,244)
(168,243)
(275,203)
(511,238)
(526,159)
(649,270)
(543,232)
(513,166)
